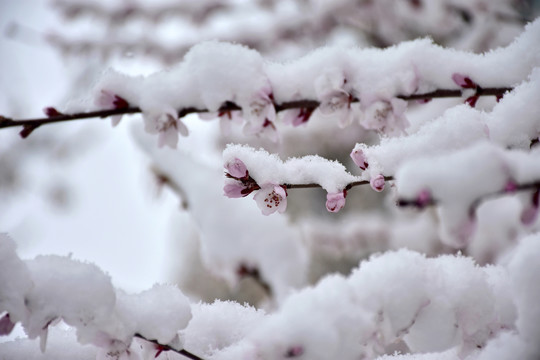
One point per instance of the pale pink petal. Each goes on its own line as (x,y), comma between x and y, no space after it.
(182,128)
(115,120)
(529,215)
(168,137)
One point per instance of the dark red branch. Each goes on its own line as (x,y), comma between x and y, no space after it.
(163,347)
(31,124)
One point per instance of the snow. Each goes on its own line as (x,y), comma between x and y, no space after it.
(214,73)
(268,168)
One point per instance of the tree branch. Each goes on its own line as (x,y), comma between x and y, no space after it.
(349,186)
(420,204)
(30,125)
(162,347)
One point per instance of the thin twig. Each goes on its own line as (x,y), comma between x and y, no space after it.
(164,179)
(31,124)
(163,347)
(349,186)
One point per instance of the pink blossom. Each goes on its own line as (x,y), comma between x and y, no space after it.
(464,81)
(357,155)
(108,100)
(335,95)
(6,325)
(377,183)
(335,201)
(167,126)
(237,168)
(260,110)
(271,198)
(386,116)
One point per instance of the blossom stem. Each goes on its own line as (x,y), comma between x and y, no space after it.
(183,352)
(30,125)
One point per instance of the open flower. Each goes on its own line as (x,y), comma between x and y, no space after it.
(386,116)
(167,125)
(335,201)
(260,110)
(335,96)
(271,198)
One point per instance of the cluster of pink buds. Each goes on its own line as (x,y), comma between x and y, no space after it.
(241,184)
(466,83)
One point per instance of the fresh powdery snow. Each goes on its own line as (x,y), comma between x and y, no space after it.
(446,305)
(52,288)
(214,74)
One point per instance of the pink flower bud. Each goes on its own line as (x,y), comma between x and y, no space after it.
(335,201)
(235,189)
(237,169)
(377,183)
(464,81)
(359,159)
(51,112)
